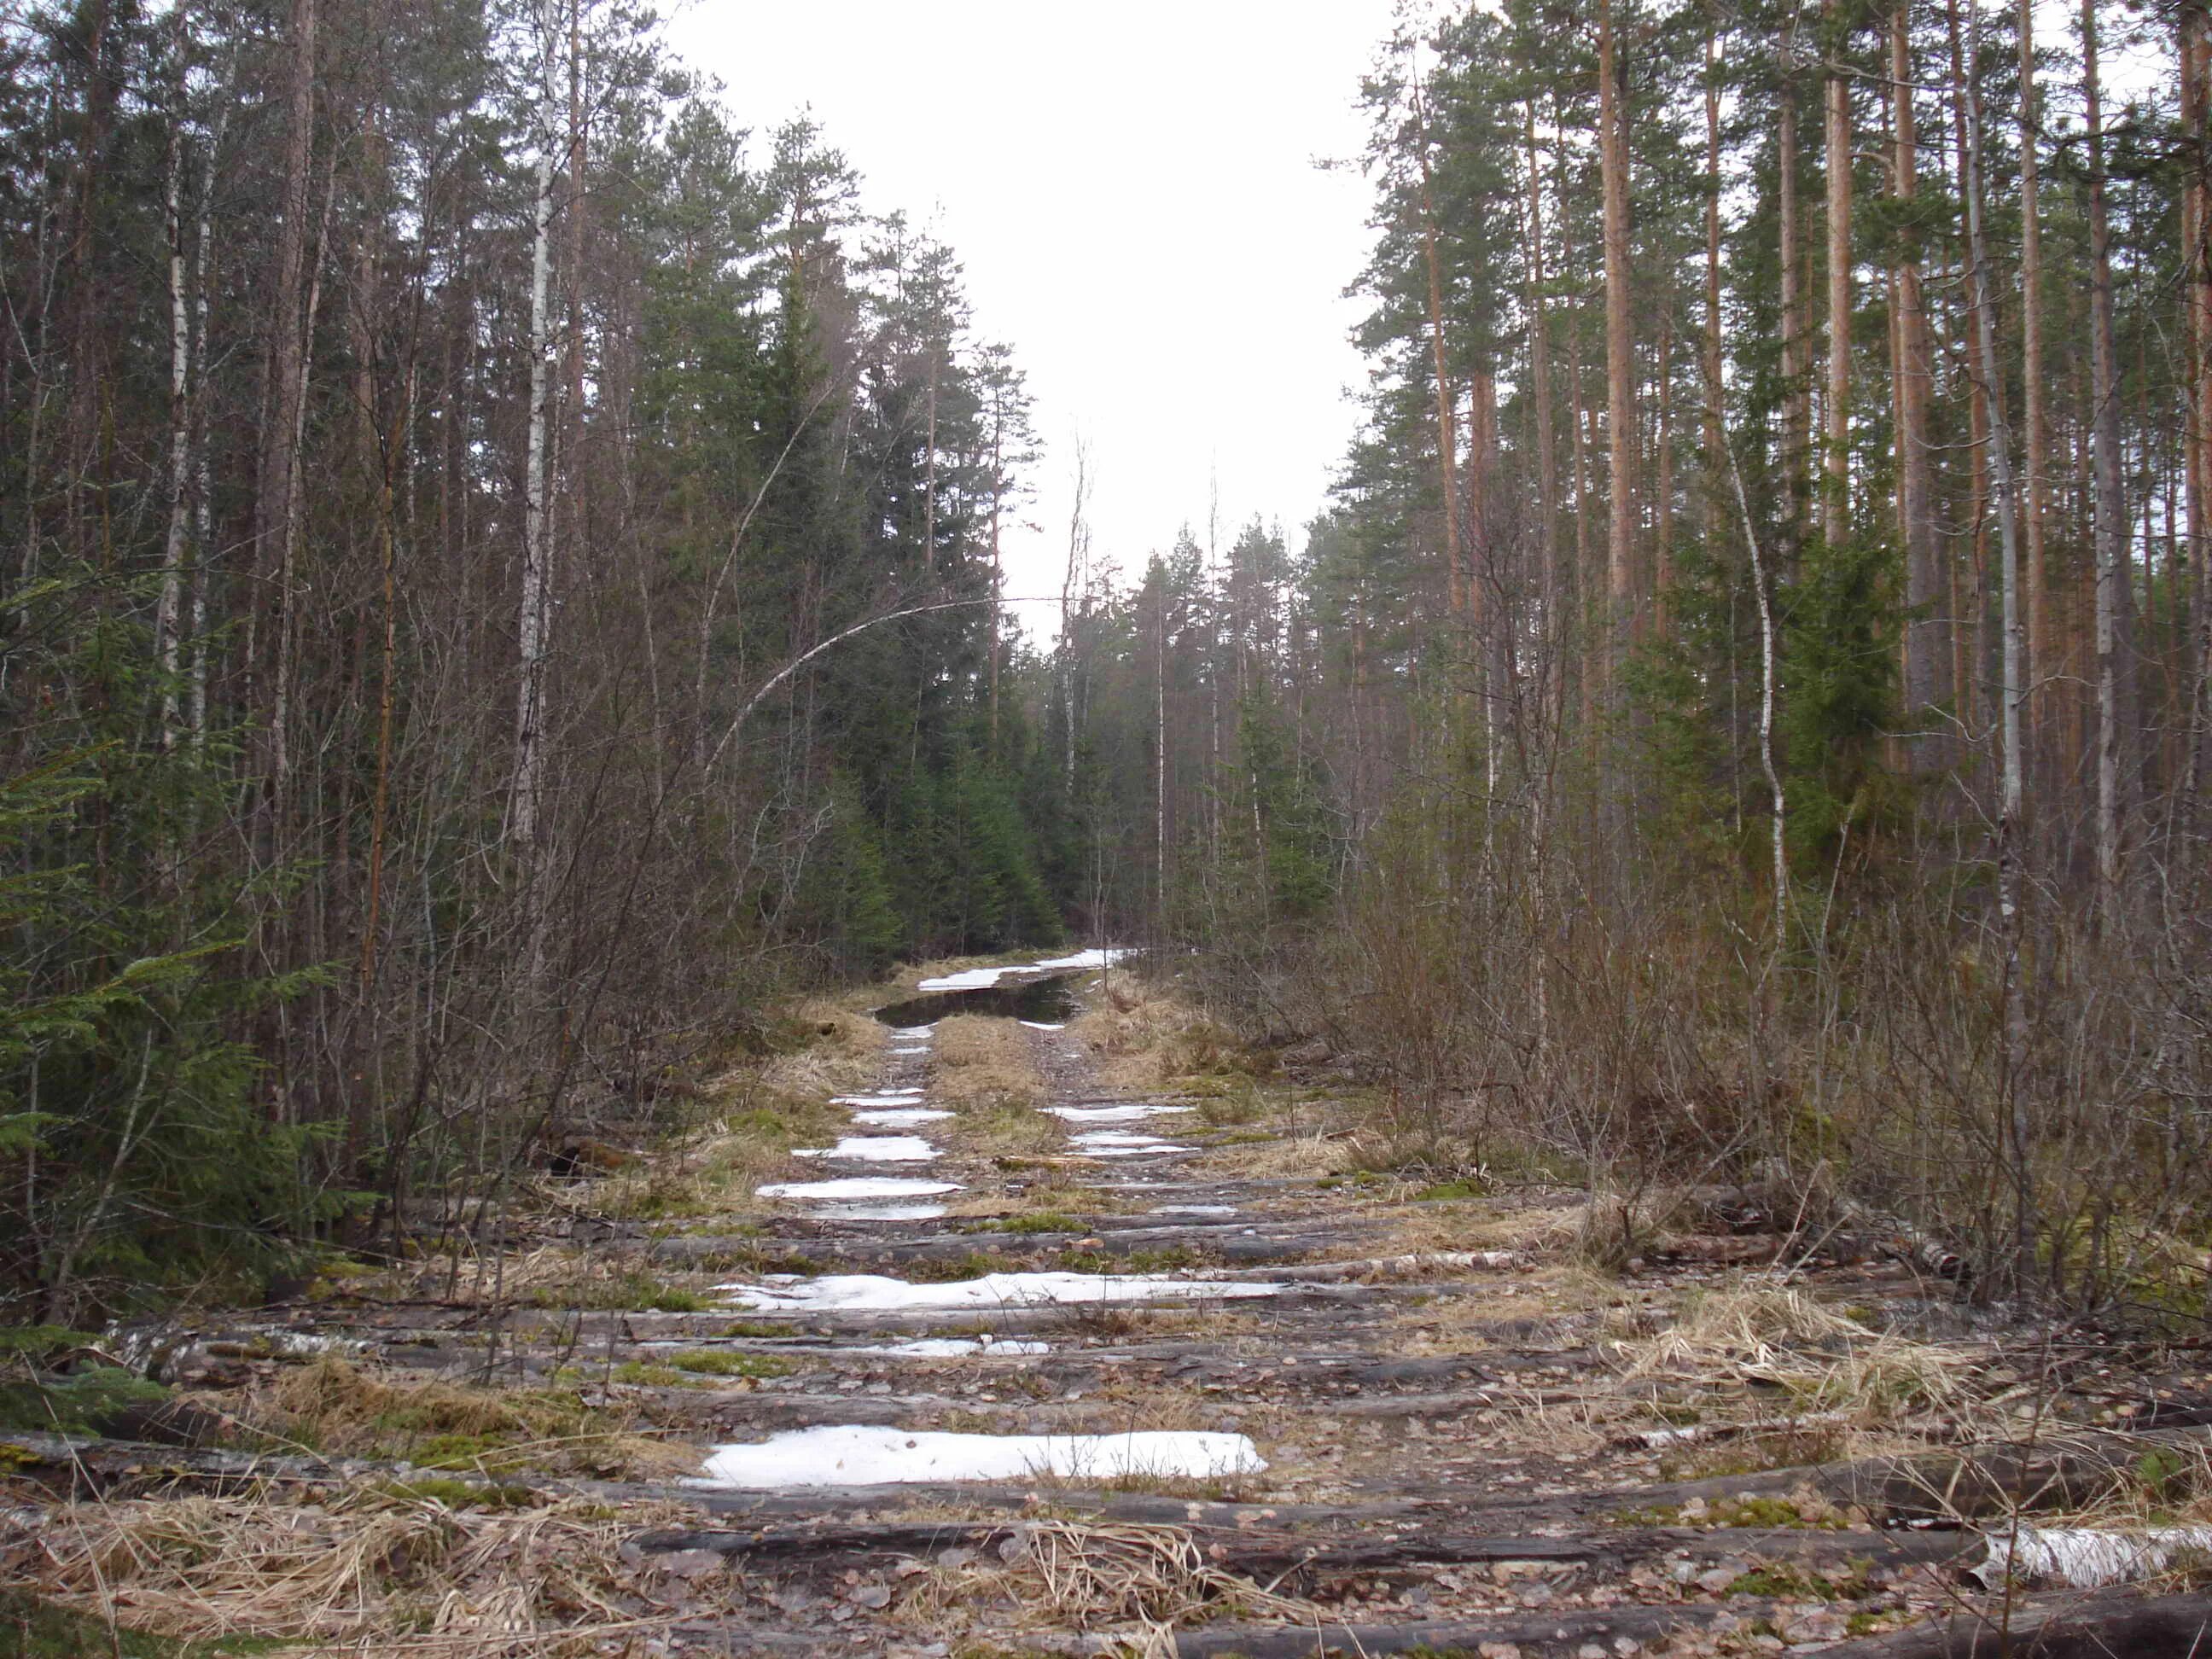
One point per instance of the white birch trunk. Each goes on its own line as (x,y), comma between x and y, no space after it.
(534,615)
(170,611)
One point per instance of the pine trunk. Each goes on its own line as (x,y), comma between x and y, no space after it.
(1835,501)
(1924,644)
(2115,678)
(1620,352)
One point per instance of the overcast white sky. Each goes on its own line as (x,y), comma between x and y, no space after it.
(1132,189)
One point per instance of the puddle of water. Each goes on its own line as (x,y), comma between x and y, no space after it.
(899,1117)
(1196,1209)
(867,1456)
(858,1187)
(881,1098)
(1035,999)
(1111,1114)
(871,1293)
(954,1347)
(873,1148)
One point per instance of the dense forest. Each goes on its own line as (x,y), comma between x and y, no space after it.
(502,581)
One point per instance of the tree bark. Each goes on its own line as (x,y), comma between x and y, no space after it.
(1923,630)
(1835,501)
(2115,669)
(278,480)
(2196,95)
(534,613)
(2034,421)
(2014,689)
(1447,423)
(1619,360)
(1540,387)
(1796,376)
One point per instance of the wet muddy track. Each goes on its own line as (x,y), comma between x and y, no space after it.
(1434,1446)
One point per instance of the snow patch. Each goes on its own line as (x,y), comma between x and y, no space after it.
(871,1294)
(878,1212)
(899,1117)
(867,1456)
(952,1347)
(1196,1209)
(1105,958)
(1111,1114)
(1107,1143)
(915,1033)
(857,1187)
(873,1148)
(968,979)
(1041,1025)
(982,979)
(881,1098)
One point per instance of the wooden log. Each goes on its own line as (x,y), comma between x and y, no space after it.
(1537,1636)
(1274,1555)
(2102,1625)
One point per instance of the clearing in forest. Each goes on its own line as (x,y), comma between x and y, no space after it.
(1021,1327)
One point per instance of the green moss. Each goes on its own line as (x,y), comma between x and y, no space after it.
(31,1629)
(755,1327)
(88,1402)
(1446,1191)
(642,1375)
(1780,1513)
(624,1293)
(758,1260)
(1040,1221)
(723,1361)
(974,1264)
(1784,1585)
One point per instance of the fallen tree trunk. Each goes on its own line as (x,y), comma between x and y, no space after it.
(1274,1555)
(2100,1626)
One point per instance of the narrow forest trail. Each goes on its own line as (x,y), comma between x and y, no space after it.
(1218,1393)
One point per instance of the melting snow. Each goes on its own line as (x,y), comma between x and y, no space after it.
(871,1293)
(1111,1114)
(915,1033)
(1196,1209)
(884,1097)
(951,1348)
(1111,954)
(981,979)
(968,979)
(899,1117)
(857,1187)
(873,1148)
(858,1456)
(880,1212)
(1040,1025)
(1106,1143)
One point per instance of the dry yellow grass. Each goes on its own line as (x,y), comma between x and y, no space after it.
(378,1571)
(338,1407)
(984,1061)
(1292,1155)
(843,1052)
(1140,1038)
(1756,1330)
